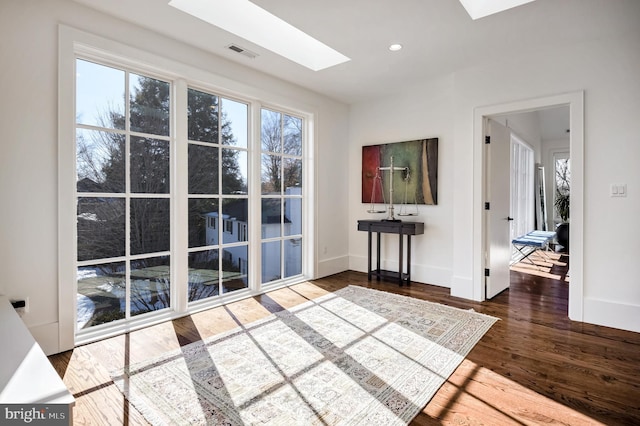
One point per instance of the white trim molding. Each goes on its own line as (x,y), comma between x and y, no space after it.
(575,101)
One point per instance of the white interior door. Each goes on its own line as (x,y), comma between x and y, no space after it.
(498,173)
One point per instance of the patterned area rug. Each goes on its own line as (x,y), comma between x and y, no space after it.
(355,356)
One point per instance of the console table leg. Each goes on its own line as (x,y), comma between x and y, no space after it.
(400,268)
(369,258)
(408,259)
(377,256)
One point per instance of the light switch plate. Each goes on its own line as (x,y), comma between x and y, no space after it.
(618,189)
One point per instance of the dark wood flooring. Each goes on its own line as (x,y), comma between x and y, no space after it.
(533,367)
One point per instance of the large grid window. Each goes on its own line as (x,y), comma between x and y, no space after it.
(123,193)
(218,195)
(281,189)
(176,207)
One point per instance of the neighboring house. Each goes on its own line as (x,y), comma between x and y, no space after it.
(234,228)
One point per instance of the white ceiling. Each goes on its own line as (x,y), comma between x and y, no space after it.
(438,37)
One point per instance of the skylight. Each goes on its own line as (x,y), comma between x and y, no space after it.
(251,22)
(481,8)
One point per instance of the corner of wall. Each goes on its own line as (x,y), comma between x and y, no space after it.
(332,266)
(47,337)
(462,287)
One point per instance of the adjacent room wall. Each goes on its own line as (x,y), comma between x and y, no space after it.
(29,146)
(525,126)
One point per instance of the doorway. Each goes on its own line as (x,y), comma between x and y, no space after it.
(529,144)
(575,103)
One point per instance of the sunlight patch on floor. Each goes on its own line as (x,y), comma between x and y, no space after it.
(474,392)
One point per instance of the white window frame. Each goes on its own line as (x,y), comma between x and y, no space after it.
(73,42)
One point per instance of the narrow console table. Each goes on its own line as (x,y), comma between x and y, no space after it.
(391,227)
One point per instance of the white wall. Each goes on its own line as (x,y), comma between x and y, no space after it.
(29,146)
(398,119)
(606,68)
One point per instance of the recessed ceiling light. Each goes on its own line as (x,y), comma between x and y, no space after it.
(249,21)
(481,8)
(395,47)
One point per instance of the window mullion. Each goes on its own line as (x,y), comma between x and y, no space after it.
(127,180)
(180,197)
(255,197)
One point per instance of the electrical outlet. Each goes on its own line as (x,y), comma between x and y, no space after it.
(23,309)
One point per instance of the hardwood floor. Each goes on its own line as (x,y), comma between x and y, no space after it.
(534,366)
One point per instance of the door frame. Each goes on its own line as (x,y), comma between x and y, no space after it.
(575,101)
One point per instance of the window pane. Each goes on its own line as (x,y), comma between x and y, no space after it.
(101,294)
(203,222)
(203,275)
(271,261)
(563,175)
(150,285)
(234,268)
(236,216)
(271,134)
(149,166)
(292,171)
(292,135)
(203,169)
(99,95)
(292,257)
(292,216)
(101,228)
(234,123)
(271,165)
(202,111)
(150,104)
(100,161)
(271,218)
(149,225)
(234,171)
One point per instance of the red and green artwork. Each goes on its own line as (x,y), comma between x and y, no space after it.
(418,186)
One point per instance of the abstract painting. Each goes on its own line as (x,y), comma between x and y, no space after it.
(419,186)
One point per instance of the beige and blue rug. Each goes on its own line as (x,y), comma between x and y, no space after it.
(353,357)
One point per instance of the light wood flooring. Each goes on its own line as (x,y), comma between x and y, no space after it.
(533,367)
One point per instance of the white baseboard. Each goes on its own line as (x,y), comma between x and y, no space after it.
(358,263)
(612,314)
(332,266)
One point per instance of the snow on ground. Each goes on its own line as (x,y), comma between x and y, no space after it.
(85,310)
